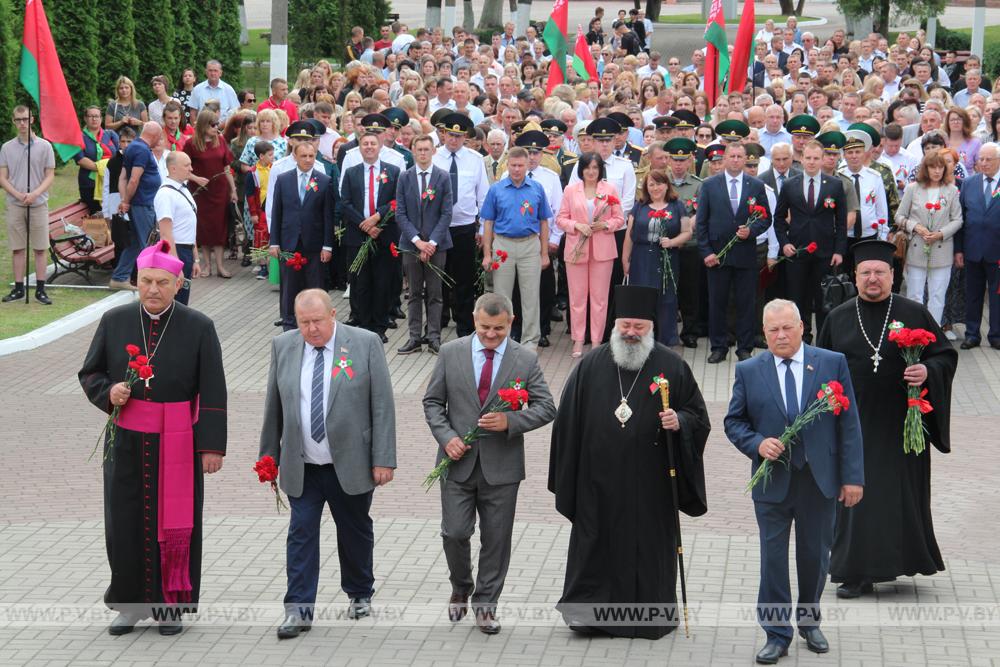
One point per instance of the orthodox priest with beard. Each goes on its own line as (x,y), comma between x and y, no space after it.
(170,430)
(890,533)
(608,469)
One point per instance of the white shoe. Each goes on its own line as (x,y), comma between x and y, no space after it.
(950,335)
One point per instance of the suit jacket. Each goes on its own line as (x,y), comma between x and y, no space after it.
(833,444)
(430,219)
(771,179)
(352,204)
(360,418)
(308,223)
(451,407)
(488,163)
(820,223)
(980,235)
(602,246)
(913,211)
(758,74)
(715,223)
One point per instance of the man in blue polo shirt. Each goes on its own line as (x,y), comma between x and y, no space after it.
(139,181)
(515,217)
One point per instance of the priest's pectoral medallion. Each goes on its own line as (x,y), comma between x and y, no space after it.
(623,412)
(148,379)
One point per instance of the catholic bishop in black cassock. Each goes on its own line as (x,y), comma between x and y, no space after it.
(890,533)
(171,430)
(608,469)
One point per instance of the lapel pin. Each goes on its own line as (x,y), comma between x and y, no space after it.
(809,367)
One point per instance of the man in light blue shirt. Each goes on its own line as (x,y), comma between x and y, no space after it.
(214,88)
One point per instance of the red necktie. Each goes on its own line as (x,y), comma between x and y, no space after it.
(486,377)
(812,194)
(371,190)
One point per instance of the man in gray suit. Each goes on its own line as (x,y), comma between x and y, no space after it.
(330,424)
(485,474)
(423,212)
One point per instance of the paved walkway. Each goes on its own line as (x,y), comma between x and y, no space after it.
(53,567)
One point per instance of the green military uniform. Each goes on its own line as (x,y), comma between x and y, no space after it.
(407,155)
(692,287)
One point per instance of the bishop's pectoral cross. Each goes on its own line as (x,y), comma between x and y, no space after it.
(876,358)
(148,379)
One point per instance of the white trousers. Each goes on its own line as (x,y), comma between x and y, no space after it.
(936,281)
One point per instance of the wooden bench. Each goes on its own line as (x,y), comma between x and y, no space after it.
(74,253)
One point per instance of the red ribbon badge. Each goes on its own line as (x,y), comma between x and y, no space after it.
(655,386)
(344,364)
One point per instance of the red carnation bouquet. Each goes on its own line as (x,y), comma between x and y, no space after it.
(267,473)
(830,398)
(757,212)
(438,271)
(809,249)
(368,247)
(666,266)
(911,344)
(138,369)
(293,259)
(499,257)
(509,399)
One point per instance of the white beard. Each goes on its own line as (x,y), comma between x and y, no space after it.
(631,356)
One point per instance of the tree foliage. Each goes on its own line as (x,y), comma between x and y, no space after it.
(155,40)
(226,43)
(74,29)
(204,24)
(879,10)
(115,47)
(314,29)
(8,67)
(184,48)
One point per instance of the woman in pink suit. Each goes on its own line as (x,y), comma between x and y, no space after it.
(590,214)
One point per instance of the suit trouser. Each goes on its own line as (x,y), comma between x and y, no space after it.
(588,282)
(461,266)
(371,289)
(804,274)
(760,295)
(425,289)
(495,504)
(693,296)
(524,261)
(981,276)
(293,282)
(814,515)
(743,281)
(355,539)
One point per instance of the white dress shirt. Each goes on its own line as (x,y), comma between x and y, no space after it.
(180,208)
(315,452)
(479,359)
(873,204)
(818,181)
(620,173)
(798,361)
(385,154)
(423,176)
(278,168)
(368,168)
(769,236)
(473,184)
(738,178)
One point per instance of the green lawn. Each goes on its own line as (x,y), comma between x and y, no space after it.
(17,318)
(258,48)
(696,19)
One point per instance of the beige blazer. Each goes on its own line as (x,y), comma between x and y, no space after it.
(913,211)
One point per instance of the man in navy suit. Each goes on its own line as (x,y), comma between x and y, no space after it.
(812,207)
(368,195)
(423,212)
(724,210)
(977,246)
(823,465)
(302,211)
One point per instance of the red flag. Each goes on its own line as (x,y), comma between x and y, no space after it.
(555,39)
(742,50)
(42,76)
(583,62)
(716,52)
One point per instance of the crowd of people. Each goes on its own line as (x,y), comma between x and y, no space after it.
(433,168)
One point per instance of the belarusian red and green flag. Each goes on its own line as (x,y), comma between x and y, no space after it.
(743,50)
(42,76)
(716,53)
(583,62)
(557,43)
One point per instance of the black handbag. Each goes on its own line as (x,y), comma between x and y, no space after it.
(837,288)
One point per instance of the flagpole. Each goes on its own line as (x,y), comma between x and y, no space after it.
(27,222)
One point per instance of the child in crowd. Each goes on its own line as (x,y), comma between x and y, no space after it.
(256,192)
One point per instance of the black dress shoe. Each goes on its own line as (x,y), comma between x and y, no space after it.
(555,316)
(122,625)
(392,324)
(434,347)
(581,628)
(815,641)
(967,344)
(854,589)
(487,623)
(359,608)
(743,355)
(424,340)
(411,346)
(168,629)
(718,356)
(292,626)
(383,337)
(278,323)
(43,298)
(995,344)
(397,313)
(772,650)
(690,341)
(15,295)
(458,607)
(544,341)
(245,261)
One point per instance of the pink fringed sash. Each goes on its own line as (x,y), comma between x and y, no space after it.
(173,422)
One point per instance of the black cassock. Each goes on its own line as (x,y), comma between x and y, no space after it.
(187,363)
(613,484)
(890,532)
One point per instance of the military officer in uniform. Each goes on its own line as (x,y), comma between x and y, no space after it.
(728,132)
(397,119)
(622,146)
(802,128)
(833,143)
(693,288)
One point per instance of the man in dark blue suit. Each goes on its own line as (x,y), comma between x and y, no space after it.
(368,195)
(423,212)
(823,465)
(977,246)
(724,210)
(302,221)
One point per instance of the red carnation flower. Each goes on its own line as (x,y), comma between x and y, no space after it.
(132,350)
(145,372)
(812,247)
(929,206)
(394,250)
(392,204)
(142,359)
(494,266)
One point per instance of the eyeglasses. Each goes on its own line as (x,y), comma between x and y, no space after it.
(22,120)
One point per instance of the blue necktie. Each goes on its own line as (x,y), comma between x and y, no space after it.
(453,172)
(792,408)
(734,198)
(316,414)
(989,190)
(303,181)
